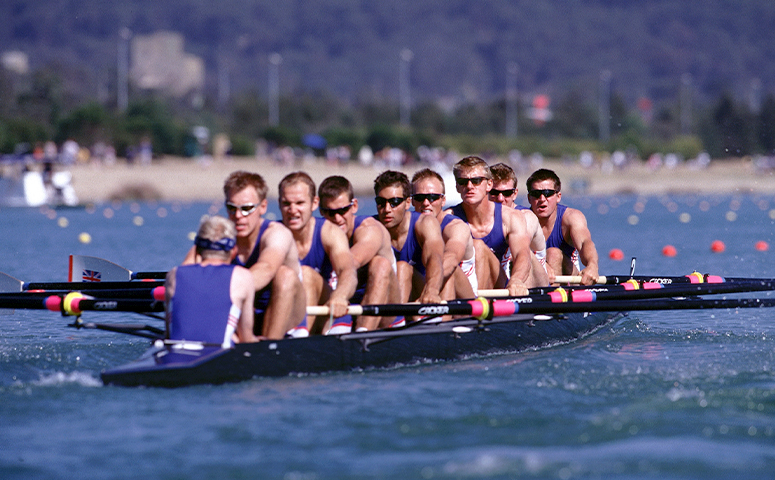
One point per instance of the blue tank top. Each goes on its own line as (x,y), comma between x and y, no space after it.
(262,296)
(317,258)
(447,219)
(495,239)
(411,252)
(202,304)
(253,257)
(555,239)
(357,223)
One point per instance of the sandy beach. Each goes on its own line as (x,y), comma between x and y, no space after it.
(180,179)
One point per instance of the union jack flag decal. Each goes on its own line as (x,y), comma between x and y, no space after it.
(91,276)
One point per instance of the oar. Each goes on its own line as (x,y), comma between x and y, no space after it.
(84,268)
(75,302)
(693,278)
(622,292)
(156,293)
(138,329)
(483,308)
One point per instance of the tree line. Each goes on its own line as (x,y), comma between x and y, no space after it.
(41,110)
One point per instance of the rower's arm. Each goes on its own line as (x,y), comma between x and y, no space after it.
(367,243)
(169,292)
(456,237)
(190,256)
(243,295)
(581,239)
(275,245)
(338,249)
(519,243)
(428,233)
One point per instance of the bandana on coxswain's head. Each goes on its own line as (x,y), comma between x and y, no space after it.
(224,244)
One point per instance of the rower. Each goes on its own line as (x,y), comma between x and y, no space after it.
(459,259)
(499,228)
(323,248)
(504,191)
(267,249)
(568,241)
(416,240)
(211,301)
(369,244)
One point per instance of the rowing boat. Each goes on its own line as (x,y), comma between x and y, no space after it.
(187,363)
(548,316)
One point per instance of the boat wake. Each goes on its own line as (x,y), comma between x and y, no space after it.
(56,379)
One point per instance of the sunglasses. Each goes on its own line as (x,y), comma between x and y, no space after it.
(394,202)
(506,193)
(431,197)
(463,181)
(332,212)
(245,210)
(537,193)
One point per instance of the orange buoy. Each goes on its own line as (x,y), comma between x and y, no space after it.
(762,246)
(717,246)
(669,251)
(616,254)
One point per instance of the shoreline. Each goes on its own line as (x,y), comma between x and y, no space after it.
(190,180)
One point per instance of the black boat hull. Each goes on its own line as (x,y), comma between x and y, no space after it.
(175,367)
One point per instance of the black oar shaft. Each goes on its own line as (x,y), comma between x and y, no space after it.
(81,286)
(484,308)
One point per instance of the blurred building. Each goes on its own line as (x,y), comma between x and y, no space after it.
(15,61)
(159,63)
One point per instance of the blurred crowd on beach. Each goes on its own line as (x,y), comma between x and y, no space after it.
(70,153)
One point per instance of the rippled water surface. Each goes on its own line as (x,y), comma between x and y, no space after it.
(683,394)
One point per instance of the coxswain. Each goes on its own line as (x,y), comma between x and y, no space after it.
(211,300)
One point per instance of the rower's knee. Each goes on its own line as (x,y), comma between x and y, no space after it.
(380,268)
(286,281)
(554,259)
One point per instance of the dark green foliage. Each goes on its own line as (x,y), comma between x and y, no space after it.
(339,75)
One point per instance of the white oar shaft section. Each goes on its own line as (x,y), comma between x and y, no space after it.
(576,279)
(564,279)
(322,310)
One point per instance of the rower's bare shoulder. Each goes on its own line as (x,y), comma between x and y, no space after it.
(573,216)
(369,228)
(276,230)
(514,219)
(276,237)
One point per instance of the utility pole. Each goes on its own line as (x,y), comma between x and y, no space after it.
(224,91)
(122,85)
(511,101)
(275,59)
(686,104)
(403,87)
(604,107)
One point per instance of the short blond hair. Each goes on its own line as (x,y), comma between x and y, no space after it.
(215,229)
(469,163)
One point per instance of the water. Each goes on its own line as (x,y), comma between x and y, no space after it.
(684,394)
